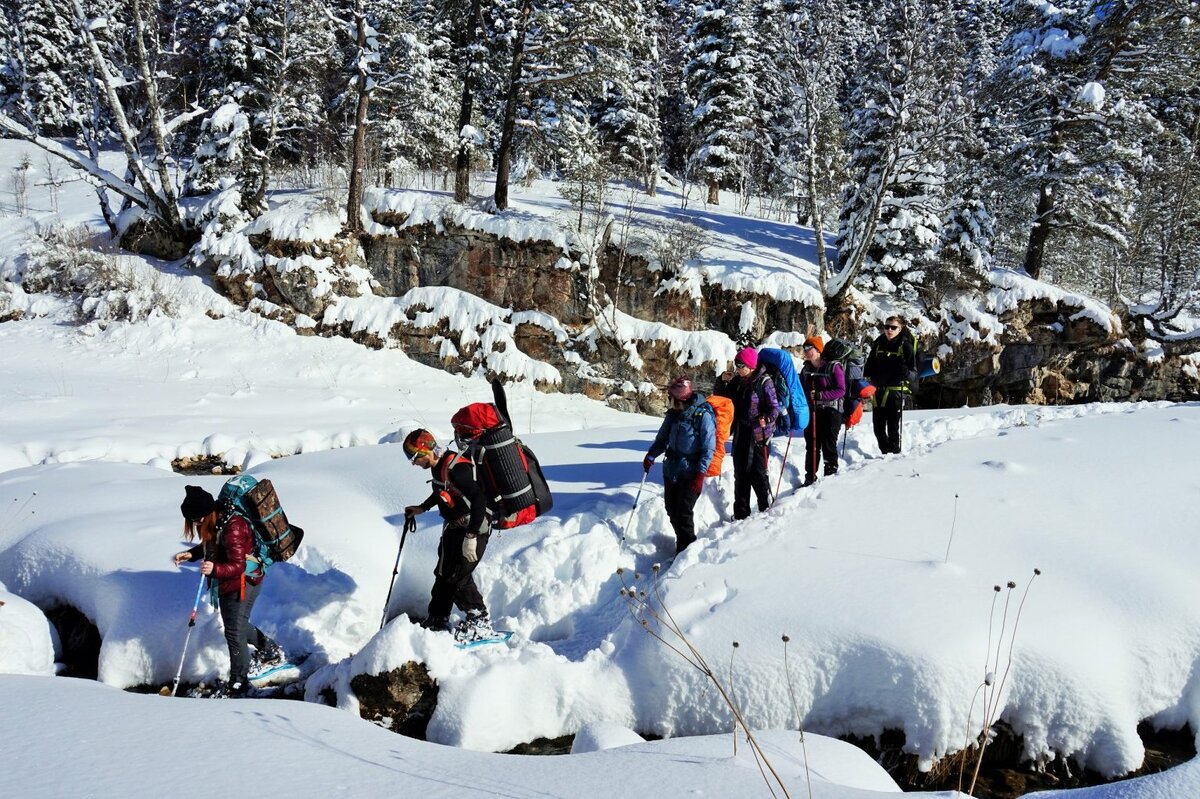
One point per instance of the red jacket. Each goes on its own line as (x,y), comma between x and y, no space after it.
(234,542)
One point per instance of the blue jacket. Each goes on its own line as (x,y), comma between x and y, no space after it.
(688,437)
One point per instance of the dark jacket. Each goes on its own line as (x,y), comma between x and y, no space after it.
(458,496)
(688,436)
(753,399)
(234,543)
(826,385)
(893,363)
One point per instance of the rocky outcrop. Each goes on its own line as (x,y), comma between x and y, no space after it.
(402,700)
(1049,354)
(556,310)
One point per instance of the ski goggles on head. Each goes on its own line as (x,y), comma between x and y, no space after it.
(416,453)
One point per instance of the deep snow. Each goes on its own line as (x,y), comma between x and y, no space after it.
(892,624)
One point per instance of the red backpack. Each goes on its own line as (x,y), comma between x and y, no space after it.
(507,470)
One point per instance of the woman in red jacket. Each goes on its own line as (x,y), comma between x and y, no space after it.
(226,555)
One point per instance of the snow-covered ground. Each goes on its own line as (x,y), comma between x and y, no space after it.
(881,577)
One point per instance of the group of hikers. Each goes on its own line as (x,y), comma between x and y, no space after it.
(688,436)
(687,440)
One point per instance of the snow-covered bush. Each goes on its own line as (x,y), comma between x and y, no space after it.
(106,287)
(673,244)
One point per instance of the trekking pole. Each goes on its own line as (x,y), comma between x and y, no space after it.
(783,465)
(766,451)
(635,504)
(410,524)
(845,433)
(188,637)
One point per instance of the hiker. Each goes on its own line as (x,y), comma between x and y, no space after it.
(825,384)
(892,369)
(226,555)
(466,528)
(755,409)
(688,437)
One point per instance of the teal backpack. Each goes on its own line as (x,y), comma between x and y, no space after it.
(275,540)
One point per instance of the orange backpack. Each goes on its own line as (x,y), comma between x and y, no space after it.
(723,410)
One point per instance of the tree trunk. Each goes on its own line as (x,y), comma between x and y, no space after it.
(462,159)
(504,155)
(714,193)
(1040,232)
(155,114)
(358,147)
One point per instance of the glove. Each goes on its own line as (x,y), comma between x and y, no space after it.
(469,553)
(697,482)
(647,462)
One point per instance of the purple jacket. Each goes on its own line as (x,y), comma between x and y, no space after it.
(827,385)
(752,398)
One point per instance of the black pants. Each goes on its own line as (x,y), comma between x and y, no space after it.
(749,471)
(453,576)
(820,441)
(886,418)
(240,634)
(680,500)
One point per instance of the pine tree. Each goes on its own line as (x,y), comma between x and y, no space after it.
(628,111)
(1068,125)
(672,20)
(968,221)
(719,81)
(266,71)
(807,125)
(12,71)
(891,218)
(48,40)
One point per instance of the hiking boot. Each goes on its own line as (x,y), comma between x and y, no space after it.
(229,690)
(266,658)
(437,624)
(474,627)
(812,478)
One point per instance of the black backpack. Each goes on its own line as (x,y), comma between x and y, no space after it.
(853,361)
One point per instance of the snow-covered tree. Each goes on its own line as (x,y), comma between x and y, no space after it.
(719,81)
(672,20)
(558,51)
(628,112)
(1069,121)
(807,125)
(49,44)
(903,104)
(266,69)
(12,71)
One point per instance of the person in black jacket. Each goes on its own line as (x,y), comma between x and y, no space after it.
(892,369)
(466,528)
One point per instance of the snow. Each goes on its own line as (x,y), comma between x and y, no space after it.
(881,577)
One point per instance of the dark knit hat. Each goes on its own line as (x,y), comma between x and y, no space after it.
(197,504)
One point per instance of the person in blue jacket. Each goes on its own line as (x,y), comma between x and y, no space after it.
(688,437)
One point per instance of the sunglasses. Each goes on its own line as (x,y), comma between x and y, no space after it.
(891,327)
(416,454)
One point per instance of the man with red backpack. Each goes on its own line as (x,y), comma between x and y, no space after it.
(466,528)
(688,437)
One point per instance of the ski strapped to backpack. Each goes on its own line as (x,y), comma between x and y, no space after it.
(793,405)
(505,468)
(275,540)
(858,388)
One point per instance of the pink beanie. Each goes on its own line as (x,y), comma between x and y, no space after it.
(747,356)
